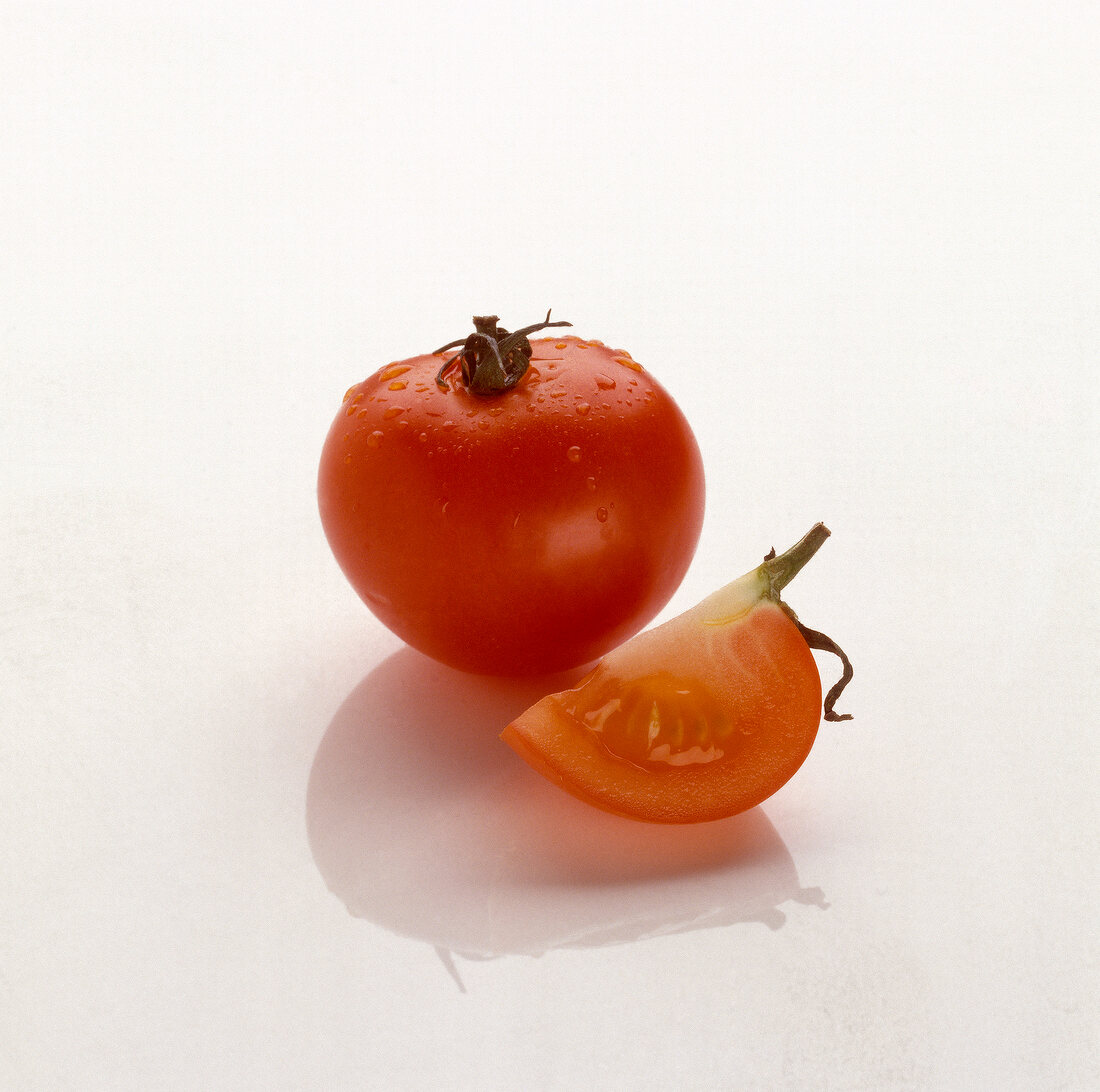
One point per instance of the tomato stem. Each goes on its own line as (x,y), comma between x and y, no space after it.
(779,572)
(493,360)
(827,644)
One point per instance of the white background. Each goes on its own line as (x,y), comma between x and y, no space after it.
(859,242)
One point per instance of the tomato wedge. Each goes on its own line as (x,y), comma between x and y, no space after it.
(697,719)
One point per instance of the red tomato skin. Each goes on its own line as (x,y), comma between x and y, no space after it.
(523,533)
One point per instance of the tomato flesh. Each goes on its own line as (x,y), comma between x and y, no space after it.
(523,533)
(692,721)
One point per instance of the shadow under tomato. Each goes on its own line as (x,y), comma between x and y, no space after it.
(422,821)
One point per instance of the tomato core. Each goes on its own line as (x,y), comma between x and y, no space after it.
(657,720)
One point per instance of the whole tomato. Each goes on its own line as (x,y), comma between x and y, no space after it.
(519,507)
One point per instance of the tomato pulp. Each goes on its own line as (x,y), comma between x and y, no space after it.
(524,532)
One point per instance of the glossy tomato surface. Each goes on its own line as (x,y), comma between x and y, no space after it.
(525,532)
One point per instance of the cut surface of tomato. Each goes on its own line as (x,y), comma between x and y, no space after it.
(697,719)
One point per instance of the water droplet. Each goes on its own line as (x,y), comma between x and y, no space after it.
(393,411)
(443,505)
(398,385)
(560,345)
(392,371)
(605,382)
(423,437)
(574,454)
(582,408)
(626,362)
(591,483)
(601,515)
(374,439)
(347,457)
(483,425)
(349,392)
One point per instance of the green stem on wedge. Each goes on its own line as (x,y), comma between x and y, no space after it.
(779,571)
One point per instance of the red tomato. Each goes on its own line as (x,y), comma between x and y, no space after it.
(697,719)
(520,515)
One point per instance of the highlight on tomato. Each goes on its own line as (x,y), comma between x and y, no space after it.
(699,718)
(512,505)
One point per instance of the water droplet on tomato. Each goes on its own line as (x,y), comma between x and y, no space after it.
(392,371)
(626,362)
(605,382)
(423,437)
(591,483)
(582,408)
(398,385)
(375,438)
(574,454)
(392,412)
(601,515)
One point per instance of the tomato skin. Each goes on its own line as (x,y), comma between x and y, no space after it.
(523,533)
(758,666)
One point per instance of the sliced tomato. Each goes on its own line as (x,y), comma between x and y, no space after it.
(697,719)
